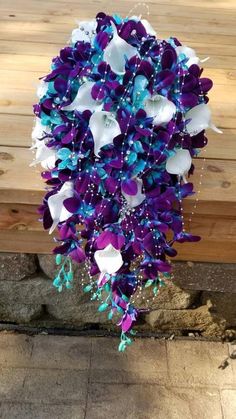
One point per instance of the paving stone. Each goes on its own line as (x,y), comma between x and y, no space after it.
(15,350)
(143,361)
(64,352)
(232,361)
(15,266)
(228,402)
(11,410)
(11,383)
(55,386)
(197,363)
(151,402)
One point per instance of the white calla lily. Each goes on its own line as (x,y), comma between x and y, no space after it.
(55,204)
(190,54)
(179,164)
(199,119)
(135,200)
(42,89)
(85,32)
(83,100)
(104,129)
(109,260)
(159,108)
(117,51)
(44,155)
(148,27)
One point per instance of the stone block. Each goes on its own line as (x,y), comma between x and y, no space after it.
(79,314)
(221,305)
(197,319)
(169,297)
(48,265)
(19,313)
(204,276)
(39,291)
(16,266)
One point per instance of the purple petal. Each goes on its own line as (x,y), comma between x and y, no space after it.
(189,100)
(98,91)
(168,58)
(126,323)
(72,204)
(82,182)
(102,40)
(165,78)
(69,136)
(111,184)
(129,187)
(78,255)
(60,85)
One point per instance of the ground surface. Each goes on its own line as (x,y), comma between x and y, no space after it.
(79,377)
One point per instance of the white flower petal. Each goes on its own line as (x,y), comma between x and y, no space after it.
(135,200)
(109,260)
(55,203)
(39,130)
(42,89)
(148,27)
(104,128)
(116,52)
(44,155)
(159,108)
(190,54)
(180,163)
(84,100)
(200,119)
(86,31)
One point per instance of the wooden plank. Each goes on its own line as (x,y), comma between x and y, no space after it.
(31,63)
(27,79)
(26,241)
(51,50)
(19,217)
(87,8)
(16,130)
(40,242)
(19,102)
(14,216)
(218,183)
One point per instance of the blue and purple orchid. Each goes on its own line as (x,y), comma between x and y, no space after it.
(119,119)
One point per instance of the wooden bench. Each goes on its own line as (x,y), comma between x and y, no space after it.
(32,32)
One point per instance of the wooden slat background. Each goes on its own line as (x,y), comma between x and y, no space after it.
(32,32)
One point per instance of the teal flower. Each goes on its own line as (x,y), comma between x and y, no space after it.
(68,159)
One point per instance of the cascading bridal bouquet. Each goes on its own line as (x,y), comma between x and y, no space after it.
(119,119)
